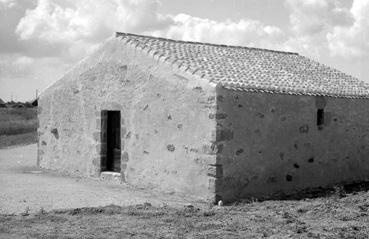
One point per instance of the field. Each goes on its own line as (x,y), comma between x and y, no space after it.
(335,216)
(18,126)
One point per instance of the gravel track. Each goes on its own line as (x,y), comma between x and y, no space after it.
(25,187)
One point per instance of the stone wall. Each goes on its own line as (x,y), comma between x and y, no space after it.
(166,130)
(181,134)
(271,144)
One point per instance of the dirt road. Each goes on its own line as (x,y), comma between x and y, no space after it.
(24,187)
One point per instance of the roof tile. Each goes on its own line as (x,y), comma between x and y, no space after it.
(252,69)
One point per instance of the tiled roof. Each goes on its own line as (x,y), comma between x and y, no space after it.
(252,69)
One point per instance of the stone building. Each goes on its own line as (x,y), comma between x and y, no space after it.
(210,121)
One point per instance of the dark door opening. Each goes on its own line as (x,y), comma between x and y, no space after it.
(111,127)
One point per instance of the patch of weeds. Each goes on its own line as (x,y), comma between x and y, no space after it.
(251,200)
(26,212)
(112,209)
(265,232)
(187,225)
(363,207)
(188,212)
(350,232)
(300,227)
(169,220)
(60,211)
(289,217)
(348,217)
(4,229)
(313,235)
(339,191)
(89,210)
(145,205)
(208,213)
(234,226)
(41,211)
(133,211)
(302,210)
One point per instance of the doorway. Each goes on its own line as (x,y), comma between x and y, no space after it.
(111,145)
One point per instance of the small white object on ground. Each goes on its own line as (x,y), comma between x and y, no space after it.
(220,203)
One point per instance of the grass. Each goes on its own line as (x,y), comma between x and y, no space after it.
(18,126)
(18,139)
(326,217)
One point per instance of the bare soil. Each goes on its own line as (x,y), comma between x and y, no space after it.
(25,187)
(330,217)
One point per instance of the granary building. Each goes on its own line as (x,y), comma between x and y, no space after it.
(210,121)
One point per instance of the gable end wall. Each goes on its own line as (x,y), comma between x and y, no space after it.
(167,123)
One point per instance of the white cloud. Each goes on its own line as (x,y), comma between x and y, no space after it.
(53,34)
(321,27)
(22,75)
(7,3)
(47,36)
(72,28)
(90,20)
(23,61)
(316,16)
(244,32)
(352,40)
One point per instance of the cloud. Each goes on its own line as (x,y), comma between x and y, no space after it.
(329,27)
(83,24)
(11,11)
(22,75)
(20,66)
(90,20)
(46,36)
(7,3)
(310,17)
(72,28)
(244,32)
(352,40)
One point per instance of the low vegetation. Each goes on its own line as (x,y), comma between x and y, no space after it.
(18,126)
(336,216)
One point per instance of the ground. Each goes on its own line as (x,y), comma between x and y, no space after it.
(32,203)
(24,187)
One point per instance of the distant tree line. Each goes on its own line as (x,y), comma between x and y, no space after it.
(18,104)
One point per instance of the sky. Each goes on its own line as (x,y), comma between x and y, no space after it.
(41,39)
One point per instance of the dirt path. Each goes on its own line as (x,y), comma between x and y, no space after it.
(23,185)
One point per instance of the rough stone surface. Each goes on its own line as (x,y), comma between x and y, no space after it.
(283,150)
(183,134)
(147,92)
